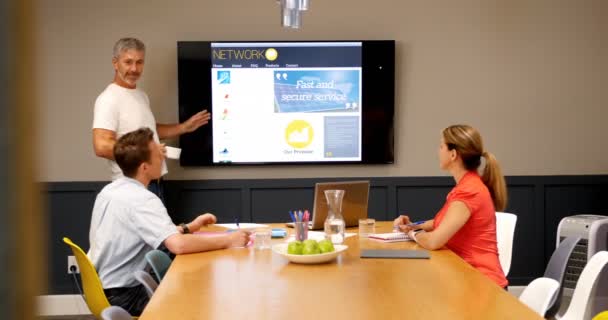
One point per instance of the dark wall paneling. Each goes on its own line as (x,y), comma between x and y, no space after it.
(273,205)
(539,202)
(377,205)
(528,238)
(70,205)
(420,202)
(224,203)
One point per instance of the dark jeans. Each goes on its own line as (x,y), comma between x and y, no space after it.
(133,299)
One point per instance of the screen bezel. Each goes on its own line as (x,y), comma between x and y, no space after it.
(378,102)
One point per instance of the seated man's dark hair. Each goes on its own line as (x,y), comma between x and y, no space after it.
(132,149)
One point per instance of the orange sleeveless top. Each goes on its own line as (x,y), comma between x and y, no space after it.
(475,242)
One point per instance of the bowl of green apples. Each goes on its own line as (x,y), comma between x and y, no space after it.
(309,251)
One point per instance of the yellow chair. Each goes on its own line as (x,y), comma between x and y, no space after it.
(601,316)
(93,291)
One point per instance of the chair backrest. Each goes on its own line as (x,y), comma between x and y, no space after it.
(147,281)
(584,287)
(160,263)
(539,294)
(115,313)
(93,290)
(556,269)
(505,229)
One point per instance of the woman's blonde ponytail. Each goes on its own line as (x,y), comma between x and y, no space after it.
(492,177)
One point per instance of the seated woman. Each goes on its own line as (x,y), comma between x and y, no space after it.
(467,222)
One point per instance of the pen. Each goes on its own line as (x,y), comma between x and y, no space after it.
(416,223)
(396,228)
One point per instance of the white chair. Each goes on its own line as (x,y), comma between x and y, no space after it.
(505,229)
(147,281)
(584,287)
(539,294)
(115,313)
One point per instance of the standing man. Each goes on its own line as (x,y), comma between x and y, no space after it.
(123,108)
(128,221)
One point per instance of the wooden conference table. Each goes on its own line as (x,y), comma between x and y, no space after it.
(245,283)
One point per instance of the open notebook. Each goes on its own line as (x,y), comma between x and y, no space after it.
(390,237)
(396,254)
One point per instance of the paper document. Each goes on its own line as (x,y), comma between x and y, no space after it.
(243,225)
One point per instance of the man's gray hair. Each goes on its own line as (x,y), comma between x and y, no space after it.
(125,44)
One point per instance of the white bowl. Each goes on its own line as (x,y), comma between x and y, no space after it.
(281,249)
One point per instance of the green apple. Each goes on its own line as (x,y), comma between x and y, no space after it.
(295,247)
(311,249)
(310,242)
(326,246)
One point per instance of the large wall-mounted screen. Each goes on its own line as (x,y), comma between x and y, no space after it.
(288,102)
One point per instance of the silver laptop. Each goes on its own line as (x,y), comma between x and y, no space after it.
(354,204)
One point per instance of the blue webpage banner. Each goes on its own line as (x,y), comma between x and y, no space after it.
(317,91)
(287,57)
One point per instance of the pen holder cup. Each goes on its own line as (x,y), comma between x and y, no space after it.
(301,230)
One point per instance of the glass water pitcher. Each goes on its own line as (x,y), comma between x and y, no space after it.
(334,223)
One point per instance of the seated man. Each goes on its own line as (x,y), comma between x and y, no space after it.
(128,221)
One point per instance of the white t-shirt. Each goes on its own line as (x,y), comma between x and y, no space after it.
(127,222)
(123,110)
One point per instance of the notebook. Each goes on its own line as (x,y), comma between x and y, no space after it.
(354,204)
(390,237)
(396,254)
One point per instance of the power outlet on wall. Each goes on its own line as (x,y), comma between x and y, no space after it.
(72,264)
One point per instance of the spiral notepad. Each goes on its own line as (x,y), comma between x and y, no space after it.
(390,237)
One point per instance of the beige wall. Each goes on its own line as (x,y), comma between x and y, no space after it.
(532,75)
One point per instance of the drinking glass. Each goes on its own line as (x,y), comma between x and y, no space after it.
(366,227)
(262,238)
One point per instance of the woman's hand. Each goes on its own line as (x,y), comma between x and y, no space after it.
(401,223)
